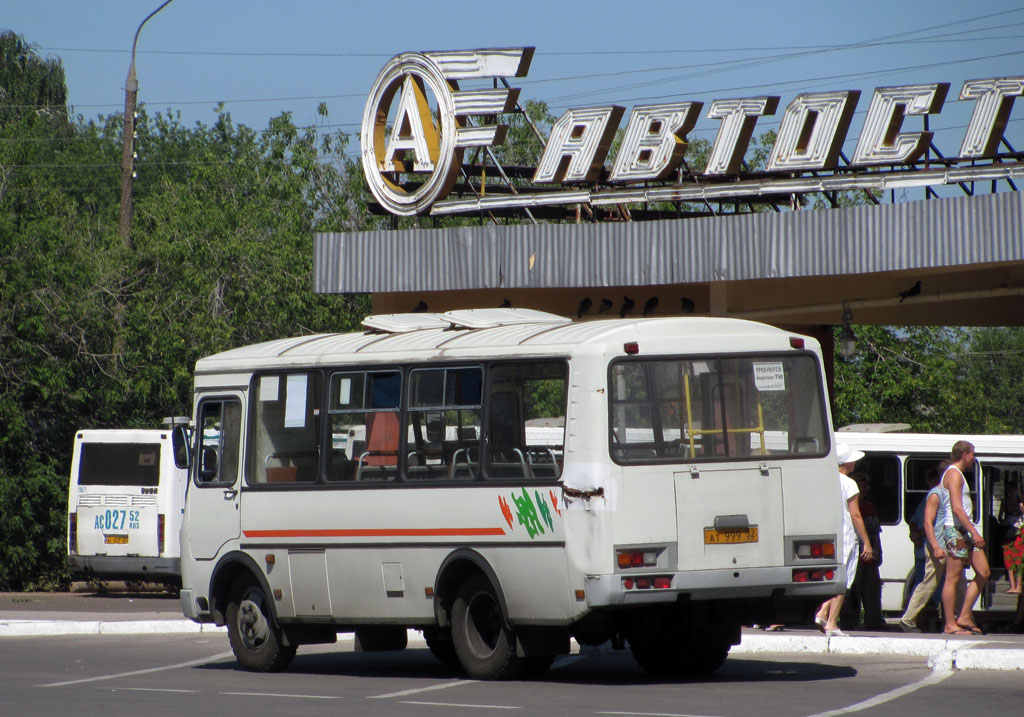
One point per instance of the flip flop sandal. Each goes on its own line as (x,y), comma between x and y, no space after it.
(973,629)
(820,623)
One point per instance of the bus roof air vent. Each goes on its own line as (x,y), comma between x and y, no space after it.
(404,323)
(489,318)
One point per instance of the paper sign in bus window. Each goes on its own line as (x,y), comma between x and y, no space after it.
(268,388)
(769,376)
(295,401)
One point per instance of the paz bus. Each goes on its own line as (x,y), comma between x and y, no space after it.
(505,480)
(897,465)
(126,494)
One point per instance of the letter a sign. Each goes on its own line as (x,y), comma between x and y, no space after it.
(412,151)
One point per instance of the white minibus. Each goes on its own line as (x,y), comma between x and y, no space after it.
(897,465)
(510,480)
(125,500)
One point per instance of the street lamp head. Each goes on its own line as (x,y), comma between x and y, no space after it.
(847,339)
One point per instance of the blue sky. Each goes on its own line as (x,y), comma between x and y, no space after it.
(261,58)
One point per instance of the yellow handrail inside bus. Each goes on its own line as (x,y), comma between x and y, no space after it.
(759,428)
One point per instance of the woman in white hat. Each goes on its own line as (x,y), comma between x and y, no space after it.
(827,618)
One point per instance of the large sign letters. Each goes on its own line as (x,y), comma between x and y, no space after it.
(419,122)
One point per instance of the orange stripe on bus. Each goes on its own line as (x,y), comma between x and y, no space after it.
(373,532)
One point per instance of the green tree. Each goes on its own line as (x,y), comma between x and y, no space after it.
(993,366)
(222,256)
(907,374)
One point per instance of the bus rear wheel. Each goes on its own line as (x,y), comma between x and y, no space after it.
(483,641)
(255,639)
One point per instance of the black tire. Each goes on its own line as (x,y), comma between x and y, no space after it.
(441,646)
(255,638)
(483,642)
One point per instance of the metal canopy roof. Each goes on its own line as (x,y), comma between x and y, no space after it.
(797,267)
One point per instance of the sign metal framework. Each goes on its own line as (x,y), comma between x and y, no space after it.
(414,149)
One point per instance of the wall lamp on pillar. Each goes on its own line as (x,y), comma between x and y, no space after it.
(847,339)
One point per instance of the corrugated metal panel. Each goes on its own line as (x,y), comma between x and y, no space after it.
(854,240)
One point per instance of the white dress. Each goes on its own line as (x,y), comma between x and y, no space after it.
(850,544)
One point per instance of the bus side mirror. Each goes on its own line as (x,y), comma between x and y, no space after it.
(180,440)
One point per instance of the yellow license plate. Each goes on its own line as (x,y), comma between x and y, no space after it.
(115,539)
(715,536)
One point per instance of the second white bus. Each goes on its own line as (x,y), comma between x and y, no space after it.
(897,465)
(126,494)
(395,478)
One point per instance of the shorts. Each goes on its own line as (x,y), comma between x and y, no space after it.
(959,542)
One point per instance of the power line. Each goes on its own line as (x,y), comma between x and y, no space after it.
(583,53)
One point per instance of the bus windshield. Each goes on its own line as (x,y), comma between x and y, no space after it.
(666,410)
(130,464)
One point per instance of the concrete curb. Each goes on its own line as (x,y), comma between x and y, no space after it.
(942,654)
(52,628)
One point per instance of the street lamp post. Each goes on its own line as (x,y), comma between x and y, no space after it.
(131,88)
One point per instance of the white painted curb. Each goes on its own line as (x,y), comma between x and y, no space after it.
(942,654)
(44,628)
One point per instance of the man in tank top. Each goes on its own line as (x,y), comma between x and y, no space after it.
(963,541)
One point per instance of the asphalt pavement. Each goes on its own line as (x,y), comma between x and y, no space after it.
(122,613)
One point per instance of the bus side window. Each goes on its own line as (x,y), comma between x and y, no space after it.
(526,420)
(363,420)
(219,429)
(285,446)
(444,423)
(883,471)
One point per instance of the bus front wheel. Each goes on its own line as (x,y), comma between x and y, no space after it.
(255,639)
(482,639)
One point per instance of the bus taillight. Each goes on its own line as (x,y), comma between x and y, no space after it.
(636,558)
(817,550)
(813,576)
(73,533)
(160,534)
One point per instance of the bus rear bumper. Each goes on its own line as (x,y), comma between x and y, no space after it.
(617,590)
(112,567)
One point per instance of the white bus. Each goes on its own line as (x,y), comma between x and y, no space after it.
(518,480)
(125,499)
(897,465)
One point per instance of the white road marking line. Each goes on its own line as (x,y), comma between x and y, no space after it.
(650,714)
(278,694)
(150,689)
(933,679)
(191,663)
(418,690)
(458,704)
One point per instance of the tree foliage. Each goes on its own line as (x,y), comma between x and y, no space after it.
(222,256)
(936,379)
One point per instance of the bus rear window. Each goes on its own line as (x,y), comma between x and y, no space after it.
(667,410)
(128,464)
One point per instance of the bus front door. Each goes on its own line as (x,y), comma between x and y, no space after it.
(212,511)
